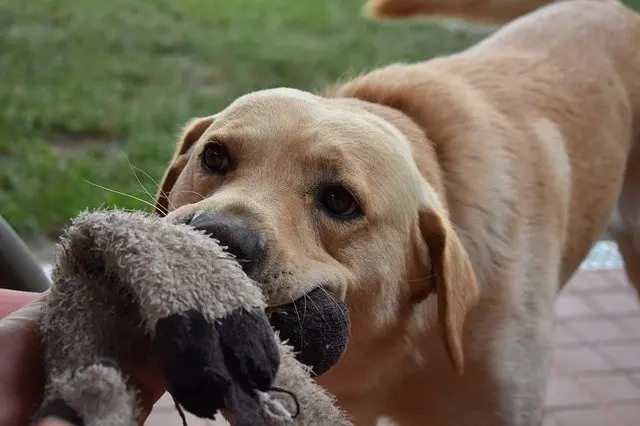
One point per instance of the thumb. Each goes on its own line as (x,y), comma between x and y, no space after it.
(21,369)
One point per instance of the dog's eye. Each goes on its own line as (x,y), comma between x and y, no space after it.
(337,201)
(215,158)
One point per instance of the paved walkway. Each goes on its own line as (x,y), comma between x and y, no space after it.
(596,370)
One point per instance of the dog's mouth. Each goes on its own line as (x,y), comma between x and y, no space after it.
(316,325)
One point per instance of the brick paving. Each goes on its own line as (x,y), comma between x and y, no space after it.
(596,370)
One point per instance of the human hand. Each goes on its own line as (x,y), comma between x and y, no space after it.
(22,370)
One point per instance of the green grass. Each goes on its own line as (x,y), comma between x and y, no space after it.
(86,85)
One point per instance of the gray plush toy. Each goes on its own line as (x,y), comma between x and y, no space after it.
(127,284)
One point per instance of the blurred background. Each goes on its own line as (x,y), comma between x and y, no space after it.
(93,93)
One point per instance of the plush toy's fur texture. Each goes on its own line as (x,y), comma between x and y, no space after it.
(127,284)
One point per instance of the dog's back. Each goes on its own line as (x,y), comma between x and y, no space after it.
(582,68)
(590,46)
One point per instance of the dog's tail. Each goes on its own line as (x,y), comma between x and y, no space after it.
(493,12)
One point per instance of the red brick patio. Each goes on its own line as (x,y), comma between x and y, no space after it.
(596,372)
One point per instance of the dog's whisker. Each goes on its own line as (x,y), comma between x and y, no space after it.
(295,308)
(304,314)
(155,182)
(335,301)
(135,175)
(121,193)
(187,191)
(317,309)
(428,277)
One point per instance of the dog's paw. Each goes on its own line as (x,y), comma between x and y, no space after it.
(203,362)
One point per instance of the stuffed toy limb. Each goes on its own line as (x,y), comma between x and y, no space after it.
(132,286)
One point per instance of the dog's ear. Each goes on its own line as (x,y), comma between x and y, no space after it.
(455,282)
(190,135)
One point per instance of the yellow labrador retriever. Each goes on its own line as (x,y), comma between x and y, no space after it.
(446,201)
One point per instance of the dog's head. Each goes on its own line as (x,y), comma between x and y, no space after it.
(313,192)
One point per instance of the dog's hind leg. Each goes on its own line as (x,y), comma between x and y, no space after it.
(629,247)
(624,224)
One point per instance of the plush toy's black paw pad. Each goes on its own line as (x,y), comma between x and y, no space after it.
(250,349)
(317,326)
(194,367)
(59,409)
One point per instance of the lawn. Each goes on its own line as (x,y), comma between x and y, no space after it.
(91,92)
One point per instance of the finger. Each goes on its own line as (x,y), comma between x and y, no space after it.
(21,369)
(20,344)
(12,300)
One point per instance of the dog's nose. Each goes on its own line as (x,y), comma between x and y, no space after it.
(243,241)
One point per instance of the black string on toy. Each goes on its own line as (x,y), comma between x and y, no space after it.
(179,410)
(291,394)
